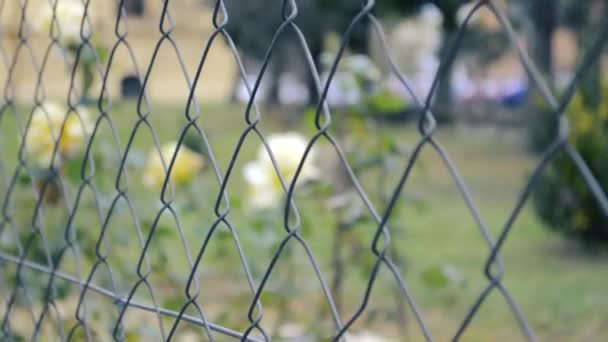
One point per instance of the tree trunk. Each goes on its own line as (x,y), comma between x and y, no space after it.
(316,49)
(544,21)
(591,84)
(273,74)
(444,90)
(359,39)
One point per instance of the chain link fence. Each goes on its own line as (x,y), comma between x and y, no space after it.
(20,262)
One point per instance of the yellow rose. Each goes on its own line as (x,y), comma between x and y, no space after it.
(44,130)
(187,164)
(75,133)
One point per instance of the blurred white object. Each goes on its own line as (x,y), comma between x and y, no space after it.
(428,66)
(562,78)
(490,88)
(418,40)
(362,66)
(242,94)
(67,17)
(420,81)
(294,332)
(189,336)
(463,87)
(265,188)
(326,59)
(431,15)
(365,336)
(292,91)
(415,39)
(343,90)
(463,12)
(394,86)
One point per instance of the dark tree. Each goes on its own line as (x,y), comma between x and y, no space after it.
(584,17)
(253,23)
(544,18)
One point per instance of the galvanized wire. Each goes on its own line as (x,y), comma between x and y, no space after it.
(17,294)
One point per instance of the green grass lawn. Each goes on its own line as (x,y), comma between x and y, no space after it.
(559,287)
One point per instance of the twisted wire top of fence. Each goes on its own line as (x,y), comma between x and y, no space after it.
(21,260)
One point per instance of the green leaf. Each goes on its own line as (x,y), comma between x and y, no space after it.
(308,118)
(174,303)
(132,337)
(385,102)
(441,276)
(163,232)
(389,142)
(87,55)
(322,188)
(72,169)
(269,298)
(236,202)
(194,142)
(24,179)
(102,53)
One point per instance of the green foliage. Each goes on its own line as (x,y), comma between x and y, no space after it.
(386,102)
(441,276)
(194,142)
(562,198)
(543,125)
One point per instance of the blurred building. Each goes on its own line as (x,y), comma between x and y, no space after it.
(192,27)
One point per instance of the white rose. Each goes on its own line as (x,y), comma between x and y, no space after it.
(265,190)
(68,17)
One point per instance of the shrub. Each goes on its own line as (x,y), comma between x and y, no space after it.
(562,198)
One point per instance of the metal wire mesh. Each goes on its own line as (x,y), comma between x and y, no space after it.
(17,265)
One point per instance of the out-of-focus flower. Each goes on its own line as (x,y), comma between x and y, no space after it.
(265,188)
(45,128)
(187,164)
(68,16)
(77,127)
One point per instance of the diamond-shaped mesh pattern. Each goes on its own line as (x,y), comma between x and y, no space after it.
(21,265)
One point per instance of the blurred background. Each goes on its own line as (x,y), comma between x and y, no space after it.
(120,119)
